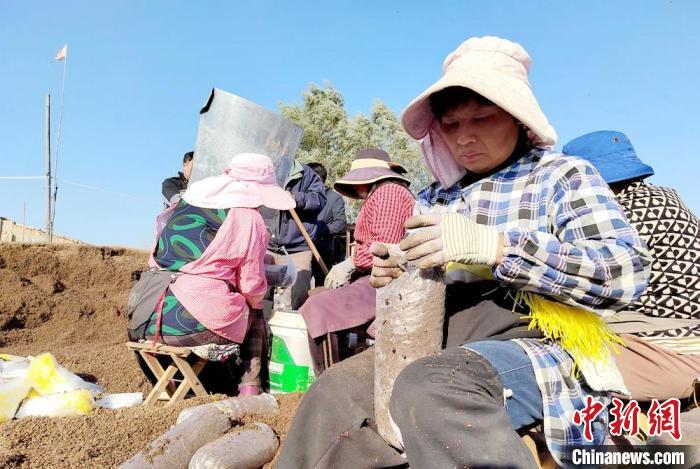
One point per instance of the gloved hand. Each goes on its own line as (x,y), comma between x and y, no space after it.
(440,238)
(340,274)
(385,267)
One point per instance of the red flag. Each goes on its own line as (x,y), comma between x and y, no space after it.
(61,54)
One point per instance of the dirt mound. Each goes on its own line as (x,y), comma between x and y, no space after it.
(106,438)
(70,301)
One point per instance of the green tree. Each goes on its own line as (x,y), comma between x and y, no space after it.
(331,137)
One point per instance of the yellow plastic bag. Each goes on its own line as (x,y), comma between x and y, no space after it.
(62,404)
(48,377)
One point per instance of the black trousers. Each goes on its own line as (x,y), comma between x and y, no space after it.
(334,425)
(329,260)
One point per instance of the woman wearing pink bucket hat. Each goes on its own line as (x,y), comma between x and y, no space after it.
(207,277)
(553,254)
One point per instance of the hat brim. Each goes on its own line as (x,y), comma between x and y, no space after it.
(347,185)
(509,93)
(224,192)
(619,173)
(277,198)
(611,153)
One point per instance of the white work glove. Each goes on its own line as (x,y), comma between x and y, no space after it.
(385,267)
(440,238)
(340,274)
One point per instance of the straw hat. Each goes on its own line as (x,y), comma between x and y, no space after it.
(248,181)
(369,166)
(611,153)
(498,70)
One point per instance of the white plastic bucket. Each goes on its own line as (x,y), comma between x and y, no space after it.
(290,368)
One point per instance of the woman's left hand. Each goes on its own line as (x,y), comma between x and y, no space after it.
(340,274)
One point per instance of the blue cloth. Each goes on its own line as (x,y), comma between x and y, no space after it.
(611,153)
(331,221)
(310,196)
(514,367)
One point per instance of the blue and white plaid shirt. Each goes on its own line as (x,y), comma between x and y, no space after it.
(566,236)
(567,239)
(562,396)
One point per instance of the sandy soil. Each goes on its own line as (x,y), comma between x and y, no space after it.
(70,301)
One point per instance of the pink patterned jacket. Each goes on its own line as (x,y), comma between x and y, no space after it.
(220,287)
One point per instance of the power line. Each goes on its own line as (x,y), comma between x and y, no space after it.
(101,189)
(84,186)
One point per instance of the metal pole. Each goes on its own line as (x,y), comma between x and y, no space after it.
(348,234)
(58,142)
(48,168)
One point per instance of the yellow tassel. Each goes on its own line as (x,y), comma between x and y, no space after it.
(583,334)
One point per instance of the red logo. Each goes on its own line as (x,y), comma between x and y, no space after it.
(587,415)
(663,418)
(624,418)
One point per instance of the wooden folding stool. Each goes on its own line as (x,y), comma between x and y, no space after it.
(165,388)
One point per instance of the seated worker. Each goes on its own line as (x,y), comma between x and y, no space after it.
(207,277)
(661,330)
(330,223)
(174,187)
(387,204)
(548,230)
(310,197)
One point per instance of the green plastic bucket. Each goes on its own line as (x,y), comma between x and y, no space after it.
(290,367)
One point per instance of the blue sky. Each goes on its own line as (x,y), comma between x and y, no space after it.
(138,72)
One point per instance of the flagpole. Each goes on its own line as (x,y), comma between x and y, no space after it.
(58,137)
(48,168)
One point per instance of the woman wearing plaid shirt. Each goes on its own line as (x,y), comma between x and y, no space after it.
(556,248)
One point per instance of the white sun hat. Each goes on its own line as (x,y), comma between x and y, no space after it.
(495,68)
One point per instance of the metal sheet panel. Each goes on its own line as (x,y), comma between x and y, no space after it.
(229,125)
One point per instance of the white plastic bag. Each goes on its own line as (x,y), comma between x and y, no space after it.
(6,358)
(62,404)
(281,275)
(15,367)
(247,449)
(12,392)
(236,407)
(410,315)
(117,401)
(174,448)
(290,275)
